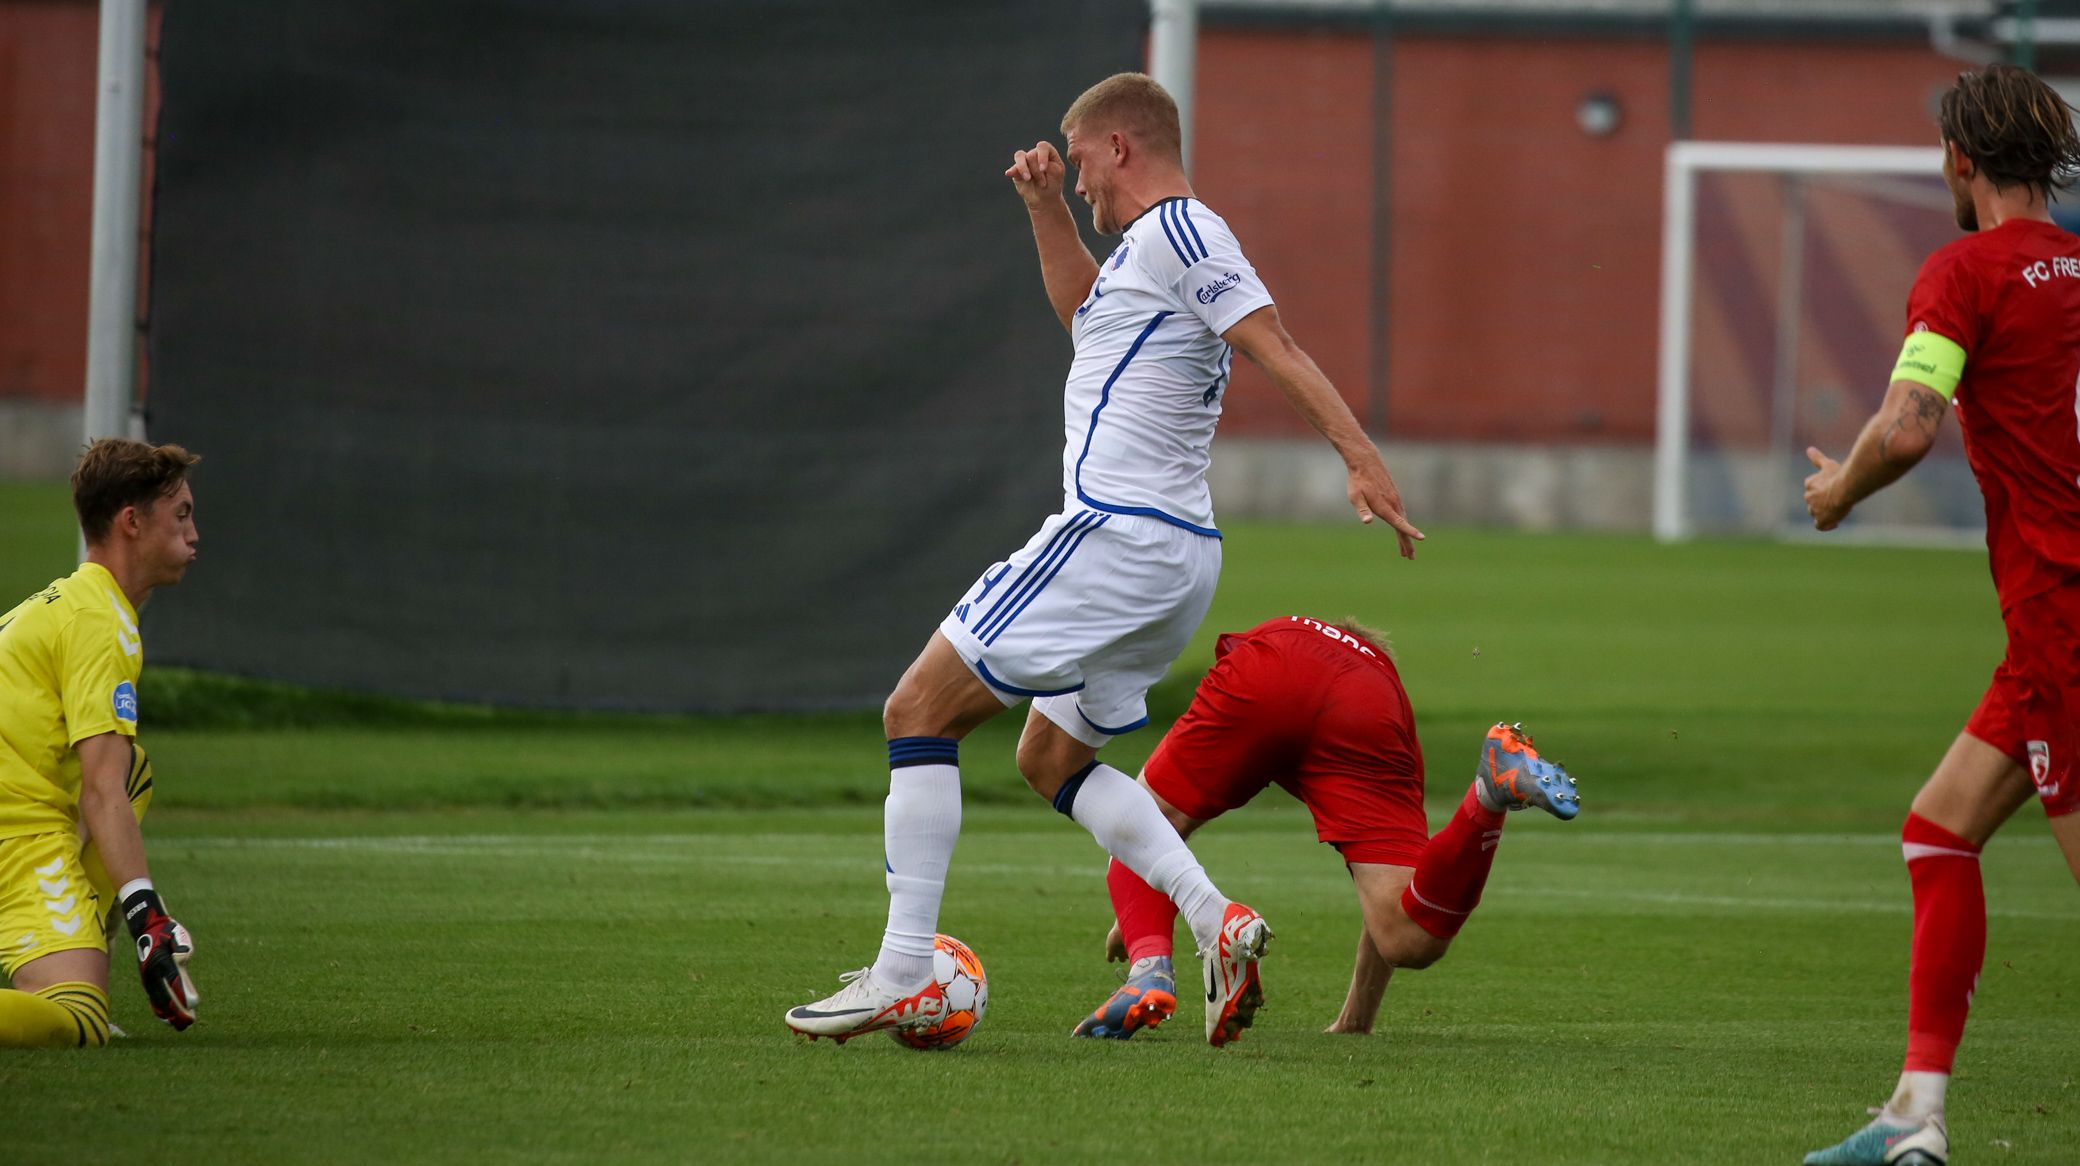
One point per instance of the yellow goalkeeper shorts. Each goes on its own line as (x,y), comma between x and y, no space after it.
(47,903)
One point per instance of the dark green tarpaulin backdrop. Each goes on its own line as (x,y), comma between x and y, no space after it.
(637,355)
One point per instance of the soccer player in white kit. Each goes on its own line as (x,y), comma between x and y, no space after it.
(1097,606)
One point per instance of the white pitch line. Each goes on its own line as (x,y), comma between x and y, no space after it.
(447,848)
(563,843)
(1901,906)
(630,850)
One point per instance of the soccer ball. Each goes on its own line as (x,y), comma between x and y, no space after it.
(960,975)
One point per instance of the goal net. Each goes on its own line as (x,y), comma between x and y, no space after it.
(1784,279)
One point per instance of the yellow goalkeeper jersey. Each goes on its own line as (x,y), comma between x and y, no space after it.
(69,661)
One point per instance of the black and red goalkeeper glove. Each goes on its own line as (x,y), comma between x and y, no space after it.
(160,944)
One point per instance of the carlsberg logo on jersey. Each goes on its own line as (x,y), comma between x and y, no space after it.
(1212,291)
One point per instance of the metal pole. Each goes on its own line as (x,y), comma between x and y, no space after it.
(1173,46)
(1783,414)
(111,389)
(1672,418)
(1682,34)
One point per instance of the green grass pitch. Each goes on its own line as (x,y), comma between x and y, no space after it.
(463,935)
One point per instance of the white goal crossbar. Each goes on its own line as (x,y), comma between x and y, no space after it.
(1686,160)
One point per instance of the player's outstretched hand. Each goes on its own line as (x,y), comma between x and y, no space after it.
(1821,500)
(162,949)
(1115,946)
(1373,494)
(1036,173)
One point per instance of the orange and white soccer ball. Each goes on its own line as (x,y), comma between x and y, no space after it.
(966,985)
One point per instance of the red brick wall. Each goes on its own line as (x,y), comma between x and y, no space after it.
(1282,136)
(1525,254)
(47,84)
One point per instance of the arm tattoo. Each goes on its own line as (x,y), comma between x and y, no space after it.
(1927,406)
(1922,415)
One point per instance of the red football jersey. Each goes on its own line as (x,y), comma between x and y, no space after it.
(2010,297)
(1315,628)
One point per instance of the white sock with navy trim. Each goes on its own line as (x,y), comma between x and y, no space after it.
(1126,821)
(921,820)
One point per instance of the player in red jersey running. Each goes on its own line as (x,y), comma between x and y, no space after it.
(1319,709)
(1993,330)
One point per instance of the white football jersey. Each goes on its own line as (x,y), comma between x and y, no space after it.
(1144,391)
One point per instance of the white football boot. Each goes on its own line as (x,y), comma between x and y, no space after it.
(1233,991)
(863,1006)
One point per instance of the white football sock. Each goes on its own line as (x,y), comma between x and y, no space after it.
(1919,1095)
(921,820)
(1126,821)
(1152,963)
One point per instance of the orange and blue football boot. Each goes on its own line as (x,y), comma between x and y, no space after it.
(1512,776)
(1889,1141)
(1147,999)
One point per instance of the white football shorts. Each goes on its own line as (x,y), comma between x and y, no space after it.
(1086,617)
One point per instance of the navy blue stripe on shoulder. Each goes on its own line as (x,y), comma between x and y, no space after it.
(1182,227)
(1152,207)
(1184,212)
(1163,218)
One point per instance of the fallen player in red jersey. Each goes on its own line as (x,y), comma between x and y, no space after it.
(1319,710)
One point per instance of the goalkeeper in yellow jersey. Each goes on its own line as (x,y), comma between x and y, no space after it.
(73,782)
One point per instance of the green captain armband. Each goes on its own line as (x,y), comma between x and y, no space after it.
(1928,358)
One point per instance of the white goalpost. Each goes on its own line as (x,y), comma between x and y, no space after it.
(111,388)
(1784,275)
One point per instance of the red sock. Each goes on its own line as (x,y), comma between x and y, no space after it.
(1453,869)
(1949,942)
(1147,917)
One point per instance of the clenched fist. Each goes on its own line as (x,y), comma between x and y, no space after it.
(1037,173)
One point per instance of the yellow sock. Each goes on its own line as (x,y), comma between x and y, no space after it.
(63,1016)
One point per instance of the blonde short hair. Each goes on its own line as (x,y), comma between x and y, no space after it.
(1373,636)
(1133,104)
